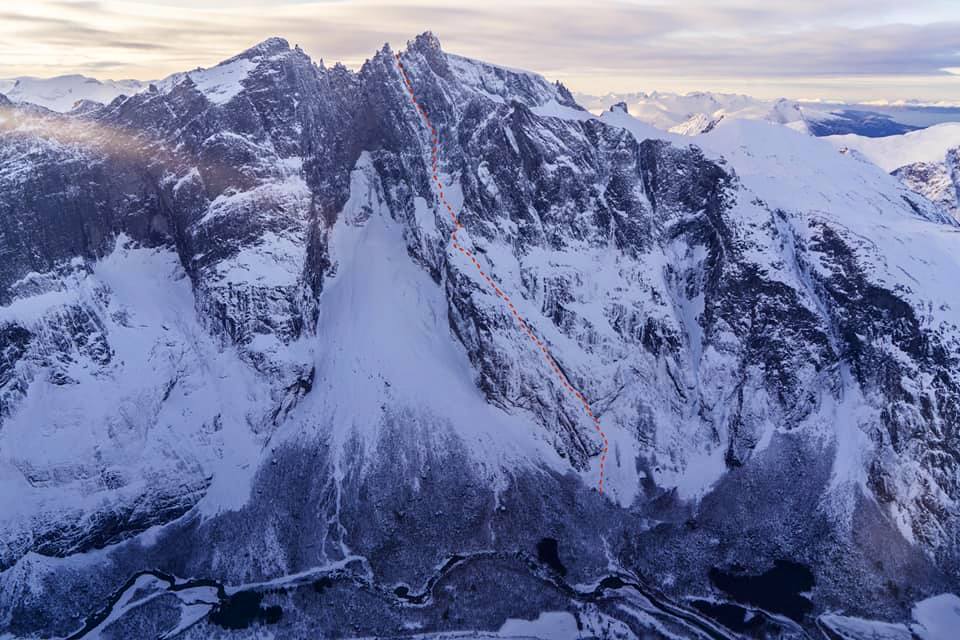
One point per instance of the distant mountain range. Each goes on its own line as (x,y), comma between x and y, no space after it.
(691,113)
(687,114)
(62,93)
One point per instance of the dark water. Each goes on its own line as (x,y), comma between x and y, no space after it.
(403,592)
(242,609)
(777,589)
(232,612)
(548,553)
(322,584)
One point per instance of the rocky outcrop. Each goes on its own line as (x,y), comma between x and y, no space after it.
(939,182)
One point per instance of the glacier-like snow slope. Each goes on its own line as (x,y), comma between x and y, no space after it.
(665,110)
(231,305)
(893,152)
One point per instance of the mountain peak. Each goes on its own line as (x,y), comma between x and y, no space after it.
(619,106)
(425,42)
(268,47)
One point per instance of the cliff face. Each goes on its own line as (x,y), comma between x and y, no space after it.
(236,344)
(939,182)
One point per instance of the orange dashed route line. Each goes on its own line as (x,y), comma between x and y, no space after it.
(435,141)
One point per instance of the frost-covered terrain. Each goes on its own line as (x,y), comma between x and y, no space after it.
(248,388)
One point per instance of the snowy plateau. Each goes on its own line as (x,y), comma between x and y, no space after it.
(248,389)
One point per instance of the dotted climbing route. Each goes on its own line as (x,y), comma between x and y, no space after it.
(521,323)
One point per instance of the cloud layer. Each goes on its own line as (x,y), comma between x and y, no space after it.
(852,49)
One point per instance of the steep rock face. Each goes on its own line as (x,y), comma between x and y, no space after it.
(238,290)
(939,182)
(217,188)
(542,197)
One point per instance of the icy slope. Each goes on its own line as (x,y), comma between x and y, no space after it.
(795,183)
(893,152)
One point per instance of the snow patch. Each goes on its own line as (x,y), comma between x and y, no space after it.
(220,84)
(555,625)
(32,308)
(553,109)
(938,617)
(289,194)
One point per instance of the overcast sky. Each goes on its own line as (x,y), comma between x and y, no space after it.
(848,49)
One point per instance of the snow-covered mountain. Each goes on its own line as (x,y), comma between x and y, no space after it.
(692,113)
(249,386)
(62,93)
(926,161)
